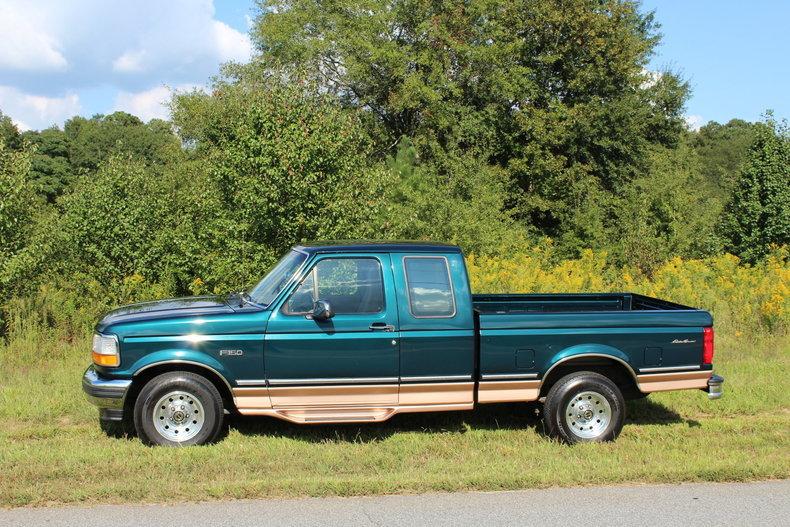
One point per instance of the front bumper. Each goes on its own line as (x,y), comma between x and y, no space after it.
(108,395)
(715,387)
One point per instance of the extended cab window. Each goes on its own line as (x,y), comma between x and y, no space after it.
(350,285)
(430,290)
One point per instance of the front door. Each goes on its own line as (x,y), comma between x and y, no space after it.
(352,359)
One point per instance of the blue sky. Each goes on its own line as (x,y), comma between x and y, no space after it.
(735,55)
(84,57)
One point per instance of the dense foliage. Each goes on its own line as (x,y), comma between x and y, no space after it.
(17,204)
(283,163)
(59,156)
(553,94)
(500,126)
(758,214)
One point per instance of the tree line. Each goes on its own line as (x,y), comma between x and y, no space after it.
(492,124)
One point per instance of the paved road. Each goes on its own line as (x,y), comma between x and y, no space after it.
(765,503)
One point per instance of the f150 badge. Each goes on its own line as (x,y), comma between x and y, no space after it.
(231,353)
(684,341)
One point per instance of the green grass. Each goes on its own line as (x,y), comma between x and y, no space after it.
(52,451)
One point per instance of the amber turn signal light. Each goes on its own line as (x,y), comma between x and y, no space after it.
(105,360)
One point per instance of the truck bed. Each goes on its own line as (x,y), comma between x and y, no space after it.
(565,303)
(526,334)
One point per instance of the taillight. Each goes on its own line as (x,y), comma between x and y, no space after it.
(707,345)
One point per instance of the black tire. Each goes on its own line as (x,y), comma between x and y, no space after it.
(199,388)
(567,392)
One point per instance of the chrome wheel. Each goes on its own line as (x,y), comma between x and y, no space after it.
(588,414)
(178,416)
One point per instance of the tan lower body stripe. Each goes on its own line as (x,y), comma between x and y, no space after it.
(507,391)
(436,393)
(247,398)
(662,382)
(340,395)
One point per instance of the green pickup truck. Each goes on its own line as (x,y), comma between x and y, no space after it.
(358,332)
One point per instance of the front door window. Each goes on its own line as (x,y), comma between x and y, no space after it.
(350,285)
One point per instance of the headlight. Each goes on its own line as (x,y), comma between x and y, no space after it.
(105,350)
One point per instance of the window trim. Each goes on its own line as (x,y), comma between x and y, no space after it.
(284,306)
(449,280)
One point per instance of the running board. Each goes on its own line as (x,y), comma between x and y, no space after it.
(335,415)
(357,414)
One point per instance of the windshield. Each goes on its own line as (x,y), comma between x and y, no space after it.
(267,289)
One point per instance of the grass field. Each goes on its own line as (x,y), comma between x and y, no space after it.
(52,451)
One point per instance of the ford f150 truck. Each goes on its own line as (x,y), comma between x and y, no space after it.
(359,332)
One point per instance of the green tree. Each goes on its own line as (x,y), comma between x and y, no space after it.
(51,171)
(284,163)
(468,209)
(664,213)
(554,93)
(18,205)
(758,213)
(9,133)
(722,149)
(112,221)
(93,140)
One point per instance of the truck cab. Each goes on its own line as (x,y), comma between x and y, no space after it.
(361,331)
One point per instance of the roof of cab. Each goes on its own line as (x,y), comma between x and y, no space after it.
(377,246)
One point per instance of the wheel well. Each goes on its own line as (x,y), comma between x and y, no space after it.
(616,371)
(140,380)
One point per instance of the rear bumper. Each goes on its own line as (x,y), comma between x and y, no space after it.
(108,395)
(715,387)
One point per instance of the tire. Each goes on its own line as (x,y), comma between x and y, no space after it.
(584,407)
(178,409)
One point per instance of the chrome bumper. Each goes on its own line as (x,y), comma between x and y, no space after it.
(715,387)
(106,394)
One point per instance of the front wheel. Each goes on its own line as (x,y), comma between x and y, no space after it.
(584,407)
(178,409)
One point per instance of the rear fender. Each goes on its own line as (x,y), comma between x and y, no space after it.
(589,350)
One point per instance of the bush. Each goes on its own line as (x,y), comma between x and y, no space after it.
(17,202)
(67,310)
(283,164)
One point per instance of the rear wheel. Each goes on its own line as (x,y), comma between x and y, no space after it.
(178,409)
(584,407)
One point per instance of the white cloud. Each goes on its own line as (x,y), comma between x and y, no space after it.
(695,122)
(148,104)
(201,40)
(129,62)
(37,111)
(230,44)
(51,48)
(26,43)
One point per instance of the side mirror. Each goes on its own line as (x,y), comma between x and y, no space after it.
(322,311)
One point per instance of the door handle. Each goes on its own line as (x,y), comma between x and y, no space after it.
(381,326)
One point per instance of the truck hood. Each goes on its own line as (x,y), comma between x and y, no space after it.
(170,308)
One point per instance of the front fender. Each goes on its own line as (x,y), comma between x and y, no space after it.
(175,355)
